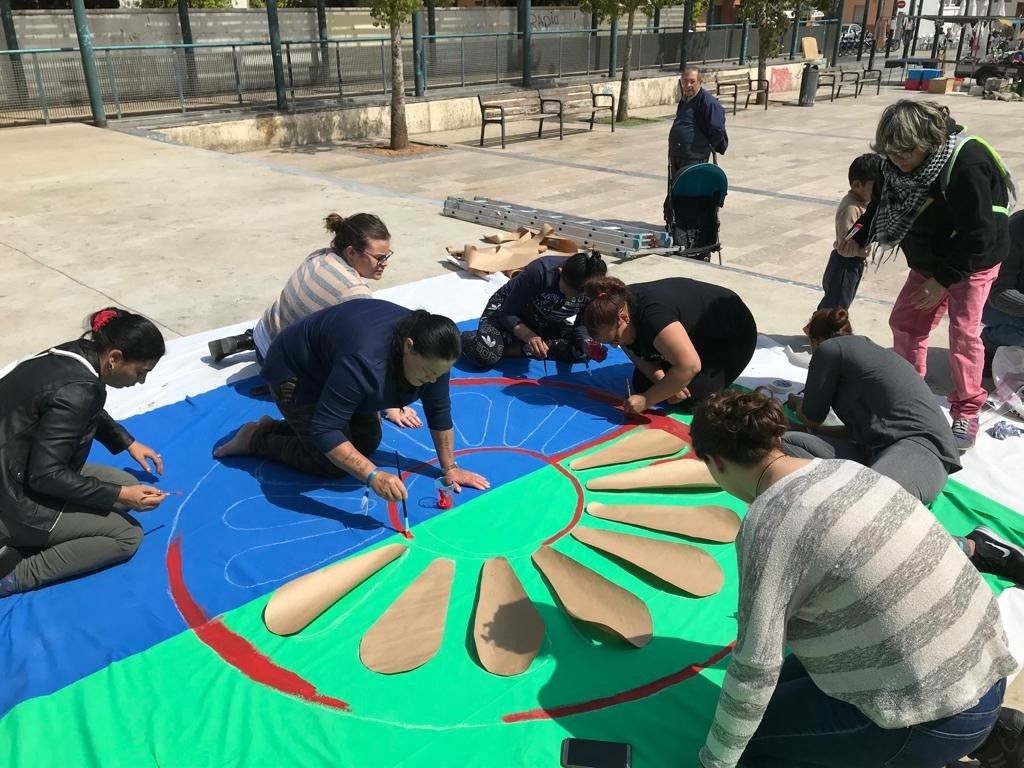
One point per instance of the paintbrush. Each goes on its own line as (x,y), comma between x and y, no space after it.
(545,366)
(405,506)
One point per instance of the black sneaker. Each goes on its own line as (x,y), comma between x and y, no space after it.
(1004,747)
(996,556)
(221,348)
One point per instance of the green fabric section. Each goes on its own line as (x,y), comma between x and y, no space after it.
(178,705)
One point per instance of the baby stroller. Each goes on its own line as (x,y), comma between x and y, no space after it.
(695,195)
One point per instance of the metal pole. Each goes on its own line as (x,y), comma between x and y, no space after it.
(527,44)
(863,31)
(11,36)
(184,23)
(841,9)
(321,28)
(939,28)
(186,37)
(960,45)
(613,48)
(874,38)
(909,25)
(988,36)
(92,82)
(594,21)
(796,31)
(417,52)
(891,38)
(744,42)
(275,55)
(657,18)
(917,31)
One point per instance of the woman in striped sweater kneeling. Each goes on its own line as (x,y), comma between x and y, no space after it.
(899,658)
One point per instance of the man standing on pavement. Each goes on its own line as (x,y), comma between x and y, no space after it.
(698,130)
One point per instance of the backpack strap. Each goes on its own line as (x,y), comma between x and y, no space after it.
(1011,189)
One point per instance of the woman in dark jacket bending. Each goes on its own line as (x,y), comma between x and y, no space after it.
(72,514)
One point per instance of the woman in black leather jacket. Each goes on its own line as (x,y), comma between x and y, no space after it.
(69,513)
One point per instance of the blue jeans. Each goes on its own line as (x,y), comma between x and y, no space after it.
(840,281)
(804,727)
(1001,329)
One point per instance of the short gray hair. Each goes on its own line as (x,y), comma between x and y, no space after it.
(693,69)
(908,125)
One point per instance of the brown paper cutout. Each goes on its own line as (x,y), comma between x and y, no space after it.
(564,245)
(676,473)
(588,596)
(298,603)
(646,444)
(507,628)
(710,523)
(409,633)
(690,569)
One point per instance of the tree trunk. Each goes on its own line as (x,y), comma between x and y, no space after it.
(623,110)
(762,73)
(399,129)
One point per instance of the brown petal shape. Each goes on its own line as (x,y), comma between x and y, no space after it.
(677,473)
(409,633)
(645,444)
(588,596)
(295,606)
(710,523)
(507,628)
(690,569)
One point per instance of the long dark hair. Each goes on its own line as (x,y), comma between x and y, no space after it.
(137,338)
(433,336)
(581,267)
(742,427)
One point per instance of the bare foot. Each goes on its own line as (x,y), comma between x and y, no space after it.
(265,424)
(240,443)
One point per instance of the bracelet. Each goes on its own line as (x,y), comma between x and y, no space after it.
(369,477)
(449,469)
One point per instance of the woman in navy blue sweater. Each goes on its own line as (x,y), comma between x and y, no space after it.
(333,372)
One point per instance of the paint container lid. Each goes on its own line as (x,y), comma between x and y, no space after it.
(780,386)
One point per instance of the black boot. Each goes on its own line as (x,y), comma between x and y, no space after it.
(221,348)
(1004,747)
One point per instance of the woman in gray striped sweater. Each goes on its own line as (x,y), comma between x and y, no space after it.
(898,659)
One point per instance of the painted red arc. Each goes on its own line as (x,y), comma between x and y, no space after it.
(241,654)
(232,647)
(633,694)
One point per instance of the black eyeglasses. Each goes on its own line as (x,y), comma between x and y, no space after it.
(381,258)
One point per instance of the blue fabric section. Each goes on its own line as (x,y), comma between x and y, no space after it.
(247,526)
(702,180)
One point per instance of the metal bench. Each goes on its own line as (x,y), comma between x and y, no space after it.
(849,74)
(571,100)
(741,83)
(502,109)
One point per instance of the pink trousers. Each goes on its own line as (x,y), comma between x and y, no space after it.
(911,328)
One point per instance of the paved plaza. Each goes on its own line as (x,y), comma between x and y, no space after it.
(198,239)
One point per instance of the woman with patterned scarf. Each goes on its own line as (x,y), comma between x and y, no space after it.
(944,201)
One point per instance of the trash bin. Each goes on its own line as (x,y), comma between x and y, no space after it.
(808,85)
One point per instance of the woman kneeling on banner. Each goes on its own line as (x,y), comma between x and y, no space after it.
(69,516)
(529,315)
(686,338)
(331,374)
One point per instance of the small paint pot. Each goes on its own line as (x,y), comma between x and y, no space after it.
(780,386)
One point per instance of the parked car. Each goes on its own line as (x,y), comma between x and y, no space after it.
(1011,65)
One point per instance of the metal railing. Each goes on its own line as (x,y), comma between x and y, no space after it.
(47,84)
